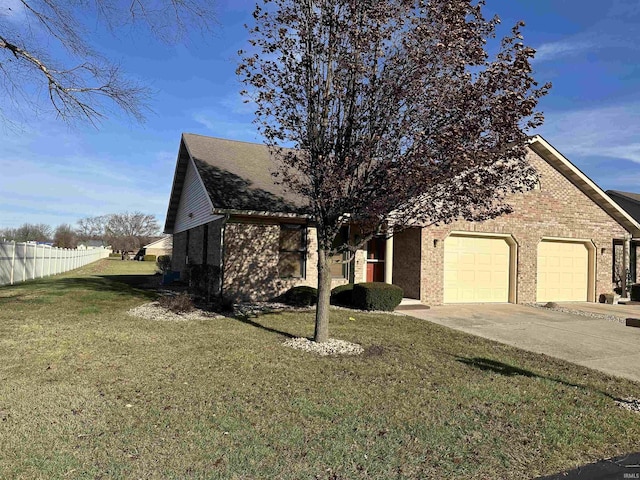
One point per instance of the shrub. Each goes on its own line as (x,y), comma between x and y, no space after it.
(149,258)
(163,262)
(635,292)
(115,255)
(203,280)
(377,296)
(342,295)
(180,303)
(301,296)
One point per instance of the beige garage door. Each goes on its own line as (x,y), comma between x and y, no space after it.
(563,271)
(476,270)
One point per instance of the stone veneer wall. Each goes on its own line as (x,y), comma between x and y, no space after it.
(557,209)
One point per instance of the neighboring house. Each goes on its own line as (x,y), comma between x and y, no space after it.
(630,202)
(91,245)
(557,245)
(162,246)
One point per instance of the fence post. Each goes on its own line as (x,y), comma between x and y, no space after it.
(13,260)
(24,262)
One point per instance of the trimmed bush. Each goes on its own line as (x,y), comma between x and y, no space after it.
(635,292)
(342,295)
(301,296)
(163,262)
(149,258)
(377,296)
(181,303)
(115,255)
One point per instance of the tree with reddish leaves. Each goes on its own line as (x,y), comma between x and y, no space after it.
(398,114)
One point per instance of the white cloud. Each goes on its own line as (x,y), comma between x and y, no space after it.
(564,48)
(611,131)
(70,179)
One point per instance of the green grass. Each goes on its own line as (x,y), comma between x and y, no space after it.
(87,391)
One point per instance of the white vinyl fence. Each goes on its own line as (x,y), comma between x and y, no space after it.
(20,262)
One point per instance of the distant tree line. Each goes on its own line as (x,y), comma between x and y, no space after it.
(122,231)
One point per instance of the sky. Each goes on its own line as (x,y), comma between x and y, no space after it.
(52,173)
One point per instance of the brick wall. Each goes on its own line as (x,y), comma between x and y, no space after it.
(195,248)
(214,247)
(406,269)
(178,256)
(196,245)
(251,261)
(636,246)
(557,209)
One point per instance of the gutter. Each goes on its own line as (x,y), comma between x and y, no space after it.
(262,214)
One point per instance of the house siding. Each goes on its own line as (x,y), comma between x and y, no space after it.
(195,208)
(557,209)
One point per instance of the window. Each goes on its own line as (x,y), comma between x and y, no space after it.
(339,268)
(292,251)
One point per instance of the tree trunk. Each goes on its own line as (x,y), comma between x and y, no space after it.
(324,297)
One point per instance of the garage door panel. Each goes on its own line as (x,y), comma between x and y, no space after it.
(563,271)
(476,269)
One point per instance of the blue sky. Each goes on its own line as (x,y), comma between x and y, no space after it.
(54,174)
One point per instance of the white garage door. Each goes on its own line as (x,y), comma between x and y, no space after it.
(476,270)
(563,272)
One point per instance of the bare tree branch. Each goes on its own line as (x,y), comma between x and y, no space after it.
(81,85)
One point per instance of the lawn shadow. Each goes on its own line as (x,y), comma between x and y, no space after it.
(112,283)
(144,282)
(487,364)
(247,321)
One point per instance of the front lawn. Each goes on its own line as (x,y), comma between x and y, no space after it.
(87,391)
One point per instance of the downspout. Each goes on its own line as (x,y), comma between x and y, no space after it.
(223,232)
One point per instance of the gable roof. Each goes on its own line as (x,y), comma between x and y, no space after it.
(629,201)
(237,176)
(633,197)
(584,183)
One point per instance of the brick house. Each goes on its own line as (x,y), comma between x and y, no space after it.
(557,245)
(630,202)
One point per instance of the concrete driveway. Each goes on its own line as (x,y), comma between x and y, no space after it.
(604,345)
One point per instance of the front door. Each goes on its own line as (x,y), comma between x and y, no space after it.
(375,260)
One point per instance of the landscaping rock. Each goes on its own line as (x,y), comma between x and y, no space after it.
(631,404)
(153,311)
(557,308)
(330,347)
